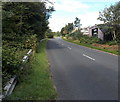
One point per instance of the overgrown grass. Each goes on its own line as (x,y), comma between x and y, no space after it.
(94,47)
(37,83)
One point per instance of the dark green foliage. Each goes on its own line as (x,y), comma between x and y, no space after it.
(23,24)
(67,29)
(112,43)
(118,40)
(77,22)
(36,83)
(88,40)
(49,33)
(62,32)
(75,35)
(111,17)
(25,18)
(57,34)
(83,38)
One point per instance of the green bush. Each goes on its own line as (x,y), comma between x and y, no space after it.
(50,36)
(23,24)
(10,60)
(88,40)
(112,43)
(118,40)
(30,42)
(75,36)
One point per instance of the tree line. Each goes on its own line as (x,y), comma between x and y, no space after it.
(23,25)
(111,18)
(70,27)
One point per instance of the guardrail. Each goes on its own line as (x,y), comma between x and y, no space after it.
(42,40)
(10,85)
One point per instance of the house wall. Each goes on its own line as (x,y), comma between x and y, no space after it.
(85,31)
(100,33)
(90,32)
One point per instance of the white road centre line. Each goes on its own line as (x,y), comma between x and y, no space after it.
(69,48)
(89,57)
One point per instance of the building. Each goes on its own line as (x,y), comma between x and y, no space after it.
(93,31)
(101,31)
(85,31)
(96,31)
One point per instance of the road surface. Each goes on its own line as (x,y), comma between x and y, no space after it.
(81,73)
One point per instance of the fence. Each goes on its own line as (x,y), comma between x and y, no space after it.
(10,85)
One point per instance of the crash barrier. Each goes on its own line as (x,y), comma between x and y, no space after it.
(10,85)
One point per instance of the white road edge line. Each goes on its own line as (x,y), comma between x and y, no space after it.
(69,48)
(89,57)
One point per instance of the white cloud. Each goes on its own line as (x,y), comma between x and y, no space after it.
(89,19)
(69,5)
(57,22)
(67,10)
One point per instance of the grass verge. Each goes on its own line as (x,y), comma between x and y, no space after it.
(36,84)
(94,47)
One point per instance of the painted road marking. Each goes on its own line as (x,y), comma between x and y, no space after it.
(89,57)
(69,48)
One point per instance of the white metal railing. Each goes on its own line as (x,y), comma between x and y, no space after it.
(10,85)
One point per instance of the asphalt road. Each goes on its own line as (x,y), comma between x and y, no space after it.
(81,73)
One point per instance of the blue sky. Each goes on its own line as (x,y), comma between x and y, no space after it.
(86,10)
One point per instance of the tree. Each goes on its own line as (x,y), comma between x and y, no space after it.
(25,18)
(77,22)
(111,17)
(67,29)
(23,25)
(49,33)
(62,31)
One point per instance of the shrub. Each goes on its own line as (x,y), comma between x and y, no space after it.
(112,43)
(118,40)
(10,60)
(88,40)
(30,42)
(50,35)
